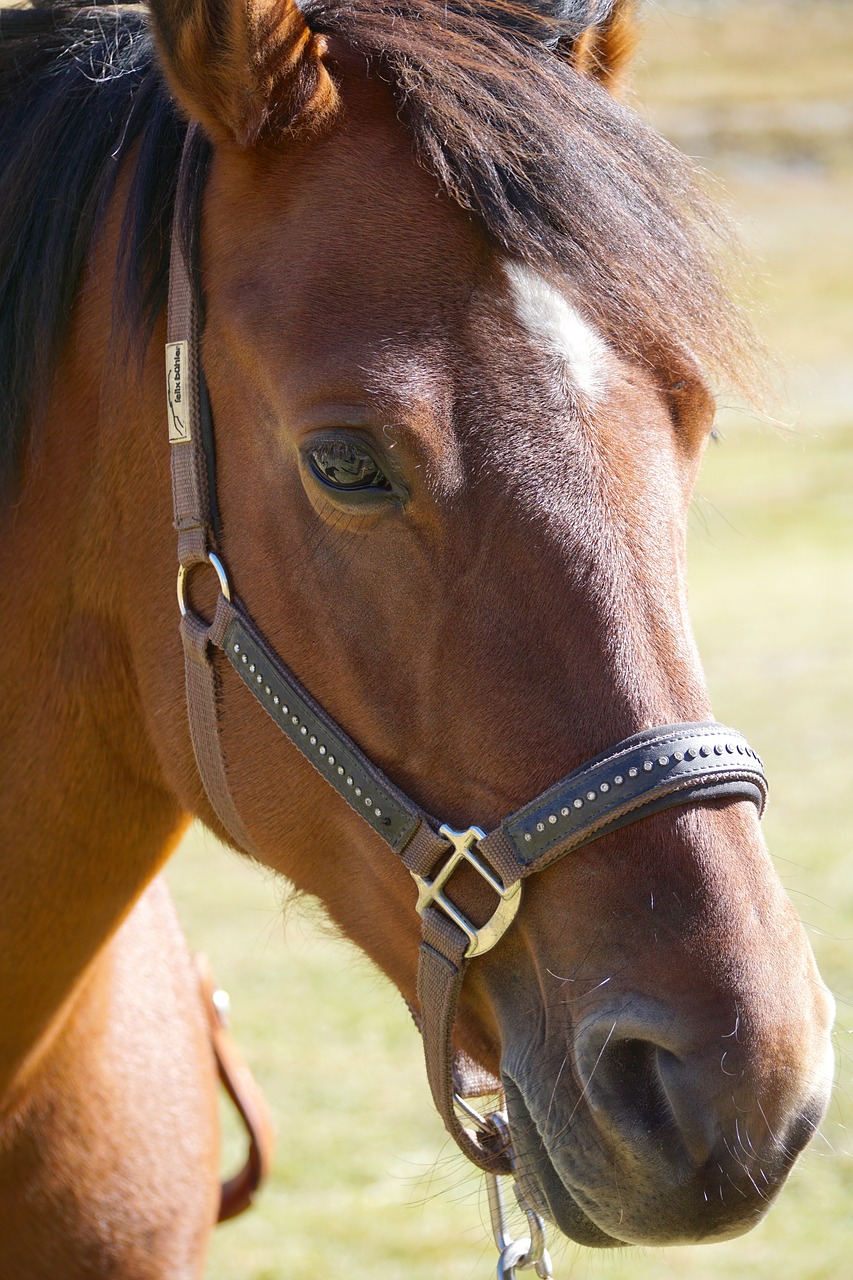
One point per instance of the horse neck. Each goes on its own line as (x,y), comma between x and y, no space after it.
(87,817)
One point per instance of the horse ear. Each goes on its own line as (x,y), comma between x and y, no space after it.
(245,69)
(605,50)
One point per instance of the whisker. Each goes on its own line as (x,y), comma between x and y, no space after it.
(588,1081)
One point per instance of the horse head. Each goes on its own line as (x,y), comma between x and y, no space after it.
(458,339)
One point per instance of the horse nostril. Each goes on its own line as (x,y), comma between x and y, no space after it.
(695,1115)
(648,1092)
(627,1084)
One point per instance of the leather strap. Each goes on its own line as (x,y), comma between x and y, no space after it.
(332,753)
(650,771)
(238,1193)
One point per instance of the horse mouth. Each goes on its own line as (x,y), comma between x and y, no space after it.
(667,1210)
(541,1184)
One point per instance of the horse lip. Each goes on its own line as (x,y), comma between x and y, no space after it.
(541,1184)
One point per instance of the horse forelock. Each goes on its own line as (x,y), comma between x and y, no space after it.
(559,173)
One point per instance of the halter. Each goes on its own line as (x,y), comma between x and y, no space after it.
(657,769)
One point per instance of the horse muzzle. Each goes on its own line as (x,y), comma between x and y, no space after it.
(642,1140)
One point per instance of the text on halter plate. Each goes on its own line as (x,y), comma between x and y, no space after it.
(178,392)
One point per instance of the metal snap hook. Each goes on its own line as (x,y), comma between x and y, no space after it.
(511,1257)
(526,1253)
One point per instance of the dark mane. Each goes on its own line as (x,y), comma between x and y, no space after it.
(77,91)
(558,173)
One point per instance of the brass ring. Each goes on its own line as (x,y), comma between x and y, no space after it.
(184,572)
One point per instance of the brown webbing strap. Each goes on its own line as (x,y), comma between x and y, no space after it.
(202,690)
(191,502)
(441,973)
(190,496)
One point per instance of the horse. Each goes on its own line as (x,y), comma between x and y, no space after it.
(454,334)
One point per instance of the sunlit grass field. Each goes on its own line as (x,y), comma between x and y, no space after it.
(366,1183)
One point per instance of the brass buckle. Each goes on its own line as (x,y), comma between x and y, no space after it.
(430,893)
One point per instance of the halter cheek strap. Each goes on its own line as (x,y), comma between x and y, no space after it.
(654,770)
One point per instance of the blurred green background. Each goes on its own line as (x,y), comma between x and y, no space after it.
(366,1184)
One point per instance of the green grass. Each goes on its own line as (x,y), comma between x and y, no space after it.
(365,1181)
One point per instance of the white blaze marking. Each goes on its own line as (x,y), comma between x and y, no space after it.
(558,328)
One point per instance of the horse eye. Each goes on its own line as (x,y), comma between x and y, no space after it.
(342,465)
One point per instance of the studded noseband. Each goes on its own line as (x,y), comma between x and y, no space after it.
(646,773)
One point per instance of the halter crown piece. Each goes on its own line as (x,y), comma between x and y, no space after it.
(650,771)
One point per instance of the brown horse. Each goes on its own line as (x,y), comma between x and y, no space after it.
(457,335)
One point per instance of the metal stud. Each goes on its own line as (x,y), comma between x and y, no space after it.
(294,719)
(578,803)
(619,780)
(379,815)
(252,667)
(267,690)
(552,818)
(349,781)
(564,812)
(313,739)
(285,708)
(648,766)
(322,751)
(704,751)
(368,802)
(331,759)
(604,788)
(304,731)
(244,658)
(632,773)
(663,760)
(341,770)
(276,699)
(540,826)
(236,648)
(358,791)
(692,753)
(678,756)
(590,795)
(528,837)
(259,679)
